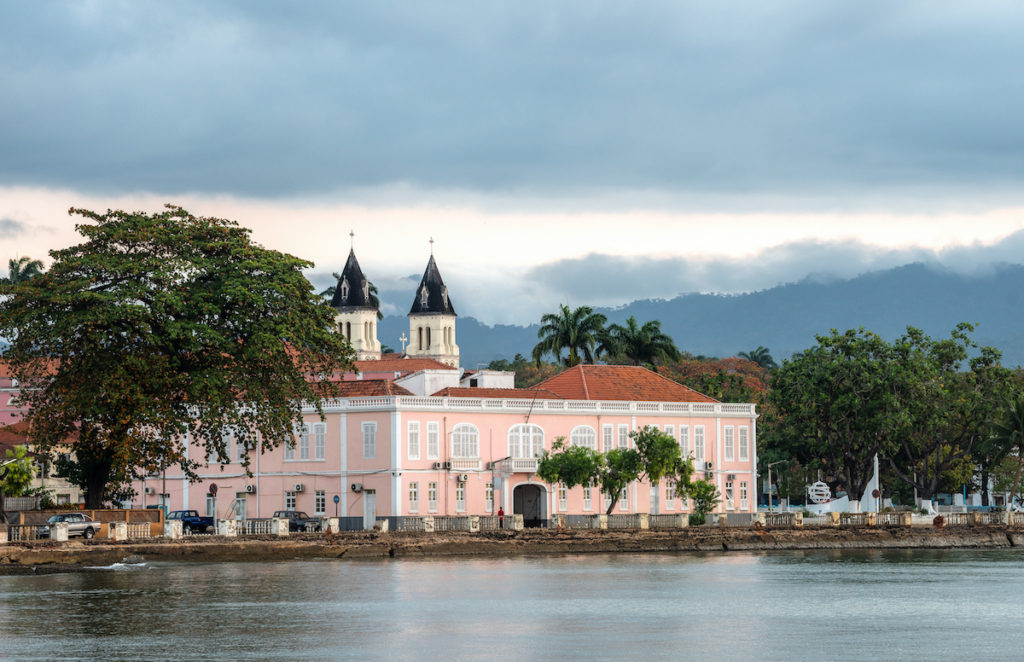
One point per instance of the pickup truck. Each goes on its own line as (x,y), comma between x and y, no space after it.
(191,521)
(299,521)
(79,524)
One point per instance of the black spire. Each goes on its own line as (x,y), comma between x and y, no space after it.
(352,290)
(432,295)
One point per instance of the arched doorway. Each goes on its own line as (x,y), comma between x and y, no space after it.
(530,501)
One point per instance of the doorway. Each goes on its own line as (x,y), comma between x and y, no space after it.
(530,501)
(369,509)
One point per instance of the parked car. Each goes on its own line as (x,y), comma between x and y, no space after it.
(299,521)
(79,524)
(191,521)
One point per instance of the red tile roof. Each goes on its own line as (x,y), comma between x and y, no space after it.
(398,363)
(368,387)
(503,393)
(14,434)
(619,382)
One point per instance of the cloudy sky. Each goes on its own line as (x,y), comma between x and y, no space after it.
(574,152)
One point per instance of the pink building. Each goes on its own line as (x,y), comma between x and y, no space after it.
(414,435)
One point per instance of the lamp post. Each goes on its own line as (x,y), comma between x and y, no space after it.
(770,465)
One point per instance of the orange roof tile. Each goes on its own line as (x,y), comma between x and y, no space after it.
(619,382)
(398,363)
(504,393)
(367,387)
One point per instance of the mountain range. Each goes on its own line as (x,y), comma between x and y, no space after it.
(786,318)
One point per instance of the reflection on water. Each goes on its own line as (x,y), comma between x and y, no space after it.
(829,605)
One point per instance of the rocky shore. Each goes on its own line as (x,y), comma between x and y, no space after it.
(45,557)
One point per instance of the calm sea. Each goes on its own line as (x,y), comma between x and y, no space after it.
(894,605)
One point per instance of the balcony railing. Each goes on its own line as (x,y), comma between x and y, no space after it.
(525,465)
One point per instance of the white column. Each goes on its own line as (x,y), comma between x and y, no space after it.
(719,457)
(396,462)
(753,460)
(343,431)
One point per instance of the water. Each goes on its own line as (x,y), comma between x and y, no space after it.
(893,605)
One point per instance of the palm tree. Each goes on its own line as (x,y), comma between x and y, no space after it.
(576,331)
(762,356)
(642,345)
(329,294)
(21,270)
(1008,434)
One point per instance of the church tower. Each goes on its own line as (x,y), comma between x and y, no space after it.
(357,310)
(432,320)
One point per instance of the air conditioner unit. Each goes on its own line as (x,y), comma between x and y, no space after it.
(357,487)
(709,466)
(250,489)
(709,475)
(462,478)
(299,487)
(439,465)
(448,465)
(150,490)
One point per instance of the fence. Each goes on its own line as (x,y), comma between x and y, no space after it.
(23,532)
(623,521)
(140,529)
(666,521)
(12,504)
(780,520)
(254,527)
(447,523)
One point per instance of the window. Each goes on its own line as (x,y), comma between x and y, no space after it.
(607,438)
(730,443)
(583,435)
(369,440)
(460,497)
(241,505)
(563,498)
(319,502)
(344,289)
(289,500)
(624,499)
(670,430)
(240,450)
(489,497)
(289,448)
(684,440)
(729,501)
(525,441)
(424,296)
(320,440)
(414,497)
(432,440)
(211,505)
(465,441)
(623,436)
(670,495)
(432,497)
(304,442)
(744,496)
(414,440)
(744,443)
(698,442)
(587,492)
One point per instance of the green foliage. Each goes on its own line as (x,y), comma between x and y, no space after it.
(20,270)
(573,331)
(528,373)
(705,497)
(1007,432)
(164,325)
(571,466)
(639,345)
(697,519)
(762,356)
(16,474)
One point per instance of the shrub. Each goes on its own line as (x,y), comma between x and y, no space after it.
(697,519)
(939,521)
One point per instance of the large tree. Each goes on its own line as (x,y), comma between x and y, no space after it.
(575,332)
(165,328)
(762,356)
(655,455)
(1007,433)
(639,345)
(16,474)
(21,270)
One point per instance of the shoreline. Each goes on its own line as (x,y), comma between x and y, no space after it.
(77,556)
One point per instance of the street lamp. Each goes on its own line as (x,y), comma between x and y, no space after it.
(770,465)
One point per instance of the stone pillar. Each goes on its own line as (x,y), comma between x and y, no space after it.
(381,525)
(428,524)
(907,519)
(723,519)
(1008,517)
(559,521)
(474,524)
(599,521)
(682,521)
(759,519)
(517,522)
(227,528)
(59,531)
(172,529)
(117,530)
(3,537)
(833,518)
(643,520)
(331,525)
(798,520)
(974,518)
(279,526)
(870,518)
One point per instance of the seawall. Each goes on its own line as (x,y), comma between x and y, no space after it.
(49,556)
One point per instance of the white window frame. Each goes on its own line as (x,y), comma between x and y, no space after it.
(670,495)
(525,441)
(563,498)
(290,500)
(623,440)
(414,497)
(413,440)
(433,440)
(320,441)
(729,442)
(304,442)
(369,440)
(587,497)
(320,502)
(670,430)
(730,500)
(465,441)
(744,495)
(460,497)
(211,505)
(583,435)
(698,443)
(624,499)
(432,497)
(607,437)
(289,449)
(489,497)
(684,440)
(744,442)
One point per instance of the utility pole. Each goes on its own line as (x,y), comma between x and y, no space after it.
(770,465)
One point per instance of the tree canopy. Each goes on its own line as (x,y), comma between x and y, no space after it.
(639,345)
(161,328)
(16,474)
(575,332)
(21,270)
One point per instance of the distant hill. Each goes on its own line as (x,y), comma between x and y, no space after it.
(786,318)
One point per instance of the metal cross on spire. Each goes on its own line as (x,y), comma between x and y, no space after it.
(403,339)
(352,239)
(431,245)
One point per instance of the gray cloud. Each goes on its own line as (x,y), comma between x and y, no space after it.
(10,228)
(830,101)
